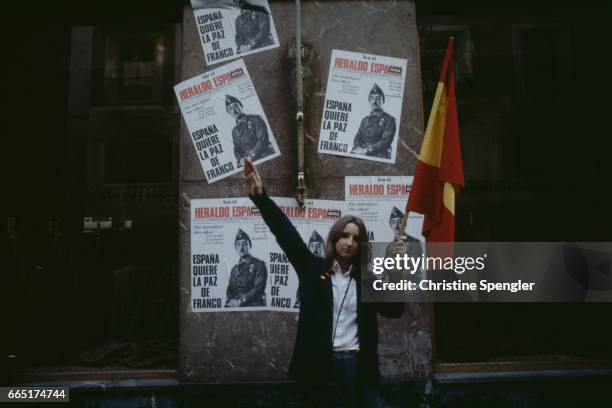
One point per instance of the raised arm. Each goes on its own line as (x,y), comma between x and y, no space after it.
(286,235)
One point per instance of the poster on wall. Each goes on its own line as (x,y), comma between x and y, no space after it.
(363,106)
(230,29)
(380,202)
(226,121)
(236,263)
(229,253)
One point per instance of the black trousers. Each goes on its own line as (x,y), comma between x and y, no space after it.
(347,389)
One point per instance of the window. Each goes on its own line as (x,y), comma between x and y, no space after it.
(434,39)
(138,159)
(541,59)
(530,175)
(93,249)
(134,66)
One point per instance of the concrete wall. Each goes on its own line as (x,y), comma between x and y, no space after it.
(257,346)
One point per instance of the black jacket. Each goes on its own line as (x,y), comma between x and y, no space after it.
(312,354)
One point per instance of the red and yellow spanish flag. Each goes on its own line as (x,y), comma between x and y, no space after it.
(439,171)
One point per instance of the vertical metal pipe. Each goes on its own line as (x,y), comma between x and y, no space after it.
(301,187)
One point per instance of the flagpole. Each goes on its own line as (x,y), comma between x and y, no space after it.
(447,58)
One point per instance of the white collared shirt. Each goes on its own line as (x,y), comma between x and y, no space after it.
(347,336)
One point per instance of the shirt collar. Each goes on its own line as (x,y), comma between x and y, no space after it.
(338,269)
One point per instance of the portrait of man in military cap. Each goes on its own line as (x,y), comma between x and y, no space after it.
(252,27)
(250,134)
(395,223)
(377,130)
(395,220)
(247,283)
(316,245)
